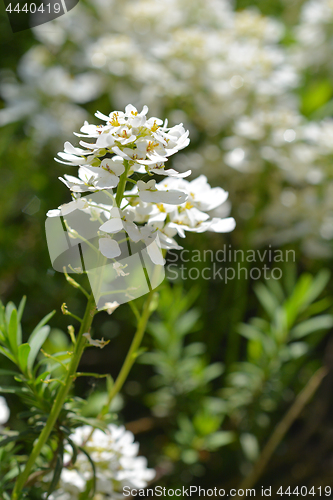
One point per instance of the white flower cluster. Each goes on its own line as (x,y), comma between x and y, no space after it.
(128,144)
(223,72)
(4,411)
(114,454)
(314,35)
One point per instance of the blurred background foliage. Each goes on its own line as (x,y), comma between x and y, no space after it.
(223,362)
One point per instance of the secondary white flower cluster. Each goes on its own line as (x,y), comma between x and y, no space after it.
(223,72)
(314,35)
(115,455)
(4,411)
(130,144)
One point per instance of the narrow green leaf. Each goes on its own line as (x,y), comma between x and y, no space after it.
(23,355)
(267,299)
(36,340)
(317,286)
(187,322)
(249,331)
(15,437)
(21,307)
(13,390)
(8,311)
(75,450)
(219,439)
(317,307)
(93,469)
(213,371)
(312,325)
(40,324)
(297,349)
(93,422)
(57,470)
(298,299)
(13,332)
(276,289)
(2,316)
(8,354)
(8,372)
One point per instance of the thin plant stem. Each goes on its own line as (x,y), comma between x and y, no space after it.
(122,184)
(60,399)
(283,427)
(131,355)
(75,284)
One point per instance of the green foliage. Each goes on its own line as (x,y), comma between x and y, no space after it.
(181,369)
(183,378)
(31,370)
(31,378)
(278,345)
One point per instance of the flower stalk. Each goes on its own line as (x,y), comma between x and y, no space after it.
(131,355)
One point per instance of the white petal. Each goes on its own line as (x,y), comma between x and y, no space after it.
(159,217)
(155,253)
(105,141)
(121,153)
(222,225)
(112,226)
(144,110)
(109,248)
(142,186)
(53,213)
(129,109)
(101,116)
(171,197)
(171,172)
(70,149)
(68,208)
(132,231)
(75,160)
(114,164)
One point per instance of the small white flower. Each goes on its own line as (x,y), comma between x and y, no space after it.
(121,220)
(67,208)
(95,342)
(117,464)
(106,176)
(149,193)
(118,267)
(110,307)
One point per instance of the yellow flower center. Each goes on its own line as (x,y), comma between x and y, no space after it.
(155,127)
(151,145)
(114,120)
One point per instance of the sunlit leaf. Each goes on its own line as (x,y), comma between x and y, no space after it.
(312,325)
(13,338)
(23,354)
(36,340)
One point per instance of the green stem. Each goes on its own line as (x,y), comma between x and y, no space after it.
(122,184)
(131,355)
(60,399)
